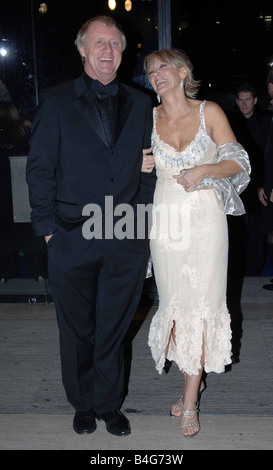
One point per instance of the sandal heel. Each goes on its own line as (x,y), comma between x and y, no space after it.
(179,406)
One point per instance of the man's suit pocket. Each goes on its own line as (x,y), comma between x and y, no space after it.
(68,210)
(52,239)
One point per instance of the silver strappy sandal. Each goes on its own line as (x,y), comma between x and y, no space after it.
(190,415)
(179,406)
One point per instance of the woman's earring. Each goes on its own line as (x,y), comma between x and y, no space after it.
(181,84)
(158,98)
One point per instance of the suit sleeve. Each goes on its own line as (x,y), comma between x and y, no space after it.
(41,167)
(268,176)
(148,180)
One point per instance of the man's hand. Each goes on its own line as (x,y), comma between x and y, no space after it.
(47,238)
(262,196)
(148,162)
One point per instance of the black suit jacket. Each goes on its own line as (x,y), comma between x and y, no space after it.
(70,163)
(268,177)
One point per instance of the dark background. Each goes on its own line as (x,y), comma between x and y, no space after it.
(229,41)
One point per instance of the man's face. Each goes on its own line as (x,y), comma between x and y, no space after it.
(246,103)
(102,52)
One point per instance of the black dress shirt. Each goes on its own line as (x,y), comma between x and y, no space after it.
(106,99)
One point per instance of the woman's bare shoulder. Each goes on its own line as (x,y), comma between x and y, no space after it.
(212,107)
(217,123)
(214,112)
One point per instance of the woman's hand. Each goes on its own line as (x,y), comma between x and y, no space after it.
(148,162)
(191,178)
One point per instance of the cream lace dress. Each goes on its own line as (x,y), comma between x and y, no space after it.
(189,250)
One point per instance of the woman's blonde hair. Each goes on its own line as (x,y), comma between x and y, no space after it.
(177,59)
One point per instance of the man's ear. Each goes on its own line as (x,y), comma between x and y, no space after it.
(81,51)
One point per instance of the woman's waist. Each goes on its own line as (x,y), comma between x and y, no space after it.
(167,190)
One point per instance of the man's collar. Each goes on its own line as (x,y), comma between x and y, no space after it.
(97,87)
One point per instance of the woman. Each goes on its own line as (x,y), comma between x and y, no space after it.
(198,162)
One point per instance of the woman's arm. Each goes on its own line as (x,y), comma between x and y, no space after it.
(219,129)
(191,178)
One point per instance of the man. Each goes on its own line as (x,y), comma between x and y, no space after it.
(266,191)
(247,241)
(246,100)
(251,130)
(86,152)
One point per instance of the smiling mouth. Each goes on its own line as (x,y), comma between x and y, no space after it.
(105,59)
(159,82)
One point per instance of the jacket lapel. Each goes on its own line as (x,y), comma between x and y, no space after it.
(124,107)
(86,104)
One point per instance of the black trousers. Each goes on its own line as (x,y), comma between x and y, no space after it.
(256,245)
(96,287)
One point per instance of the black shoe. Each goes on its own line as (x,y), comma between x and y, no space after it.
(268,286)
(167,365)
(84,422)
(201,390)
(235,358)
(116,422)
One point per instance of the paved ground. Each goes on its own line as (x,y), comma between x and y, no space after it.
(236,409)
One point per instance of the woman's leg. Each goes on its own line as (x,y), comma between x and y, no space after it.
(193,384)
(189,424)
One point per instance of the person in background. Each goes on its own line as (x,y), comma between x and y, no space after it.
(251,129)
(86,145)
(247,240)
(13,142)
(266,191)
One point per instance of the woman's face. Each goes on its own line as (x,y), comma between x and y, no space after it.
(164,76)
